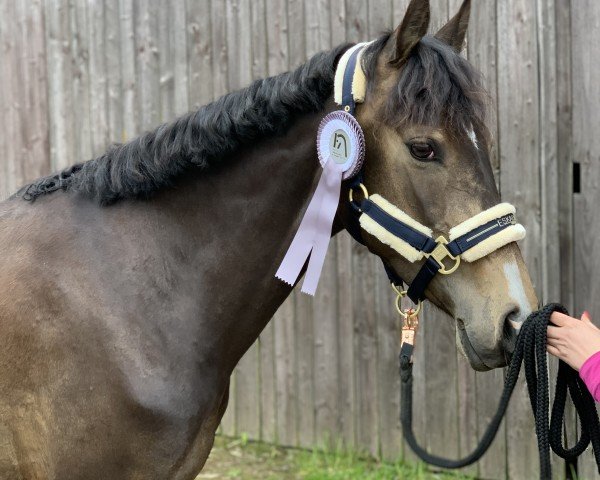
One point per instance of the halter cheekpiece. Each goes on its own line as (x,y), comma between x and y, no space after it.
(341,150)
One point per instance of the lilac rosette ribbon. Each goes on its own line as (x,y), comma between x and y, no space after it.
(341,147)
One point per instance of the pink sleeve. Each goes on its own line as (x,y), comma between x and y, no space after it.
(590,374)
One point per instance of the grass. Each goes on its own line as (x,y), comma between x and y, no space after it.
(240,459)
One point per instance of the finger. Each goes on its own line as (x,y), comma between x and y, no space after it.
(586,317)
(560,319)
(554,343)
(554,332)
(553,351)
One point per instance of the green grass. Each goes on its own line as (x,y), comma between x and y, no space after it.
(239,459)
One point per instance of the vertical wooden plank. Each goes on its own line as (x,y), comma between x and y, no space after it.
(239,70)
(25,154)
(166,62)
(300,25)
(218,19)
(11,52)
(220,83)
(128,70)
(337,21)
(148,68)
(564,150)
(285,373)
(98,77)
(550,181)
(284,320)
(318,38)
(356,21)
(478,392)
(80,52)
(562,32)
(199,32)
(585,29)
(390,444)
(365,345)
(518,105)
(4,95)
(363,315)
(36,155)
(60,75)
(267,360)
(112,32)
(179,50)
(346,413)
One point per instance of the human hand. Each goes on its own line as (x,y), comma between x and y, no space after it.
(572,340)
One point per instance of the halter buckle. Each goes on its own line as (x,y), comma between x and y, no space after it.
(440,252)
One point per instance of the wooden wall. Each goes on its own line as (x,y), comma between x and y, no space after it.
(76,75)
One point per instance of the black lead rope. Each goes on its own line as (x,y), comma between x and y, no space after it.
(530,349)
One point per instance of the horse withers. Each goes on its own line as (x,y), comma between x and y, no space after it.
(132,284)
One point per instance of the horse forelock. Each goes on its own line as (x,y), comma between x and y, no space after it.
(200,139)
(435,86)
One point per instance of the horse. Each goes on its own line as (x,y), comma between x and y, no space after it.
(132,284)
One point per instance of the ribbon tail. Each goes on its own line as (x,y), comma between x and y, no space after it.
(329,205)
(302,244)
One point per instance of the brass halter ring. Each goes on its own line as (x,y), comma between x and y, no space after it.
(408,314)
(364,191)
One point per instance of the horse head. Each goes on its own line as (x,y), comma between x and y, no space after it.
(428,153)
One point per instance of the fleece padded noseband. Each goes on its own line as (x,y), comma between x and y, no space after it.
(471,240)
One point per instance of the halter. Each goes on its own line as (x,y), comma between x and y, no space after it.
(470,240)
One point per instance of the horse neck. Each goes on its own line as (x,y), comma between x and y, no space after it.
(242,218)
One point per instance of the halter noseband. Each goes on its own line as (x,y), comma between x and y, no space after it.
(470,240)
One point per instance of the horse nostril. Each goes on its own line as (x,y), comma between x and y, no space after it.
(510,330)
(514,319)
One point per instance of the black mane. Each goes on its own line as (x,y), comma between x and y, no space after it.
(154,160)
(436,87)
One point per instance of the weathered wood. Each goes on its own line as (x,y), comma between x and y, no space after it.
(482,52)
(112,36)
(58,64)
(24,91)
(80,75)
(585,21)
(346,413)
(148,76)
(519,157)
(179,53)
(128,70)
(200,60)
(239,69)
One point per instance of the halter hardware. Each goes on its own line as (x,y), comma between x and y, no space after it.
(410,315)
(474,238)
(364,191)
(440,252)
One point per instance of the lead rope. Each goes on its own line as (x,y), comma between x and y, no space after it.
(530,349)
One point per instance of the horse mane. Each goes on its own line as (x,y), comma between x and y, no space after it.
(435,85)
(200,139)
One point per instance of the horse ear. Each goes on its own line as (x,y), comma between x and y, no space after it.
(455,31)
(411,30)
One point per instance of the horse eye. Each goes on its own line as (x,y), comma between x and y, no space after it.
(422,151)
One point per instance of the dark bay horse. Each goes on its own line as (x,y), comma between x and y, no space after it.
(132,284)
